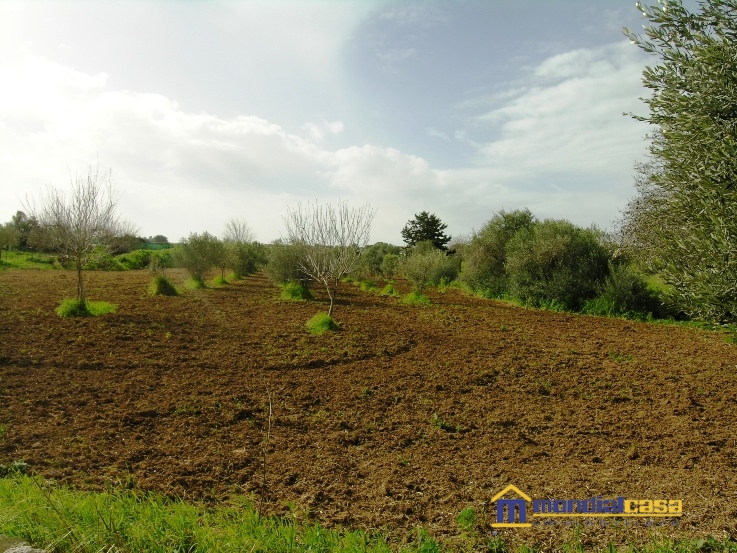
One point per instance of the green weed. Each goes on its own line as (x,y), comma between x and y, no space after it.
(74,308)
(466,519)
(218,281)
(413,298)
(161,286)
(295,291)
(321,323)
(389,290)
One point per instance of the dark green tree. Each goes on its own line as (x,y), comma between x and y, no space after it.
(683,224)
(25,227)
(485,256)
(426,226)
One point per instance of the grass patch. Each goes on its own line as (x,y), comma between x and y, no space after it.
(389,290)
(65,520)
(194,283)
(74,308)
(161,286)
(219,281)
(27,260)
(122,520)
(321,323)
(413,298)
(367,286)
(295,291)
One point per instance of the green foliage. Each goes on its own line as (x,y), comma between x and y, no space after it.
(485,256)
(321,323)
(99,260)
(283,264)
(467,519)
(371,262)
(28,260)
(367,286)
(219,281)
(71,307)
(390,265)
(134,260)
(426,227)
(389,290)
(426,265)
(683,224)
(415,298)
(295,291)
(245,258)
(194,283)
(161,286)
(198,254)
(62,519)
(626,294)
(555,263)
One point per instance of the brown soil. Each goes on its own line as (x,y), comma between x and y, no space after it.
(403,418)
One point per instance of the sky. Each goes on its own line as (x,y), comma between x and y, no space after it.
(204,111)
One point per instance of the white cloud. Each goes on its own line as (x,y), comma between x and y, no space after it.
(546,143)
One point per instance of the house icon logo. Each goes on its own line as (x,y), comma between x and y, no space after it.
(514,508)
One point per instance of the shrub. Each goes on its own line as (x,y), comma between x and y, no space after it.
(245,258)
(71,307)
(485,256)
(625,293)
(427,265)
(556,263)
(219,281)
(321,323)
(372,259)
(137,259)
(390,265)
(161,286)
(198,254)
(389,290)
(282,264)
(295,291)
(415,298)
(367,286)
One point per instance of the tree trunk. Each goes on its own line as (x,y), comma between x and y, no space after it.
(80,284)
(331,295)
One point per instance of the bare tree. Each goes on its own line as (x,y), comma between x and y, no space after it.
(80,225)
(238,231)
(329,239)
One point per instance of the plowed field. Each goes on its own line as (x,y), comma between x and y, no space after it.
(403,418)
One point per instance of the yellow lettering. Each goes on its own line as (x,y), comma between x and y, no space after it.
(646,506)
(675,506)
(630,505)
(660,506)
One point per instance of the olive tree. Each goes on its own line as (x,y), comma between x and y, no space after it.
(684,221)
(198,253)
(80,225)
(328,240)
(9,237)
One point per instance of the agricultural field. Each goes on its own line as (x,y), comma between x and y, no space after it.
(403,418)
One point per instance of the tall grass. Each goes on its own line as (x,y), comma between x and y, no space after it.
(27,260)
(65,520)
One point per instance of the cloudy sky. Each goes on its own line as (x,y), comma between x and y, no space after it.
(207,110)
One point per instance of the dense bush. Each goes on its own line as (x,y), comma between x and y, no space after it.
(283,264)
(555,263)
(197,254)
(485,256)
(245,258)
(426,265)
(370,265)
(627,294)
(137,259)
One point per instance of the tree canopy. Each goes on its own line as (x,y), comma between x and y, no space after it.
(683,224)
(426,226)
